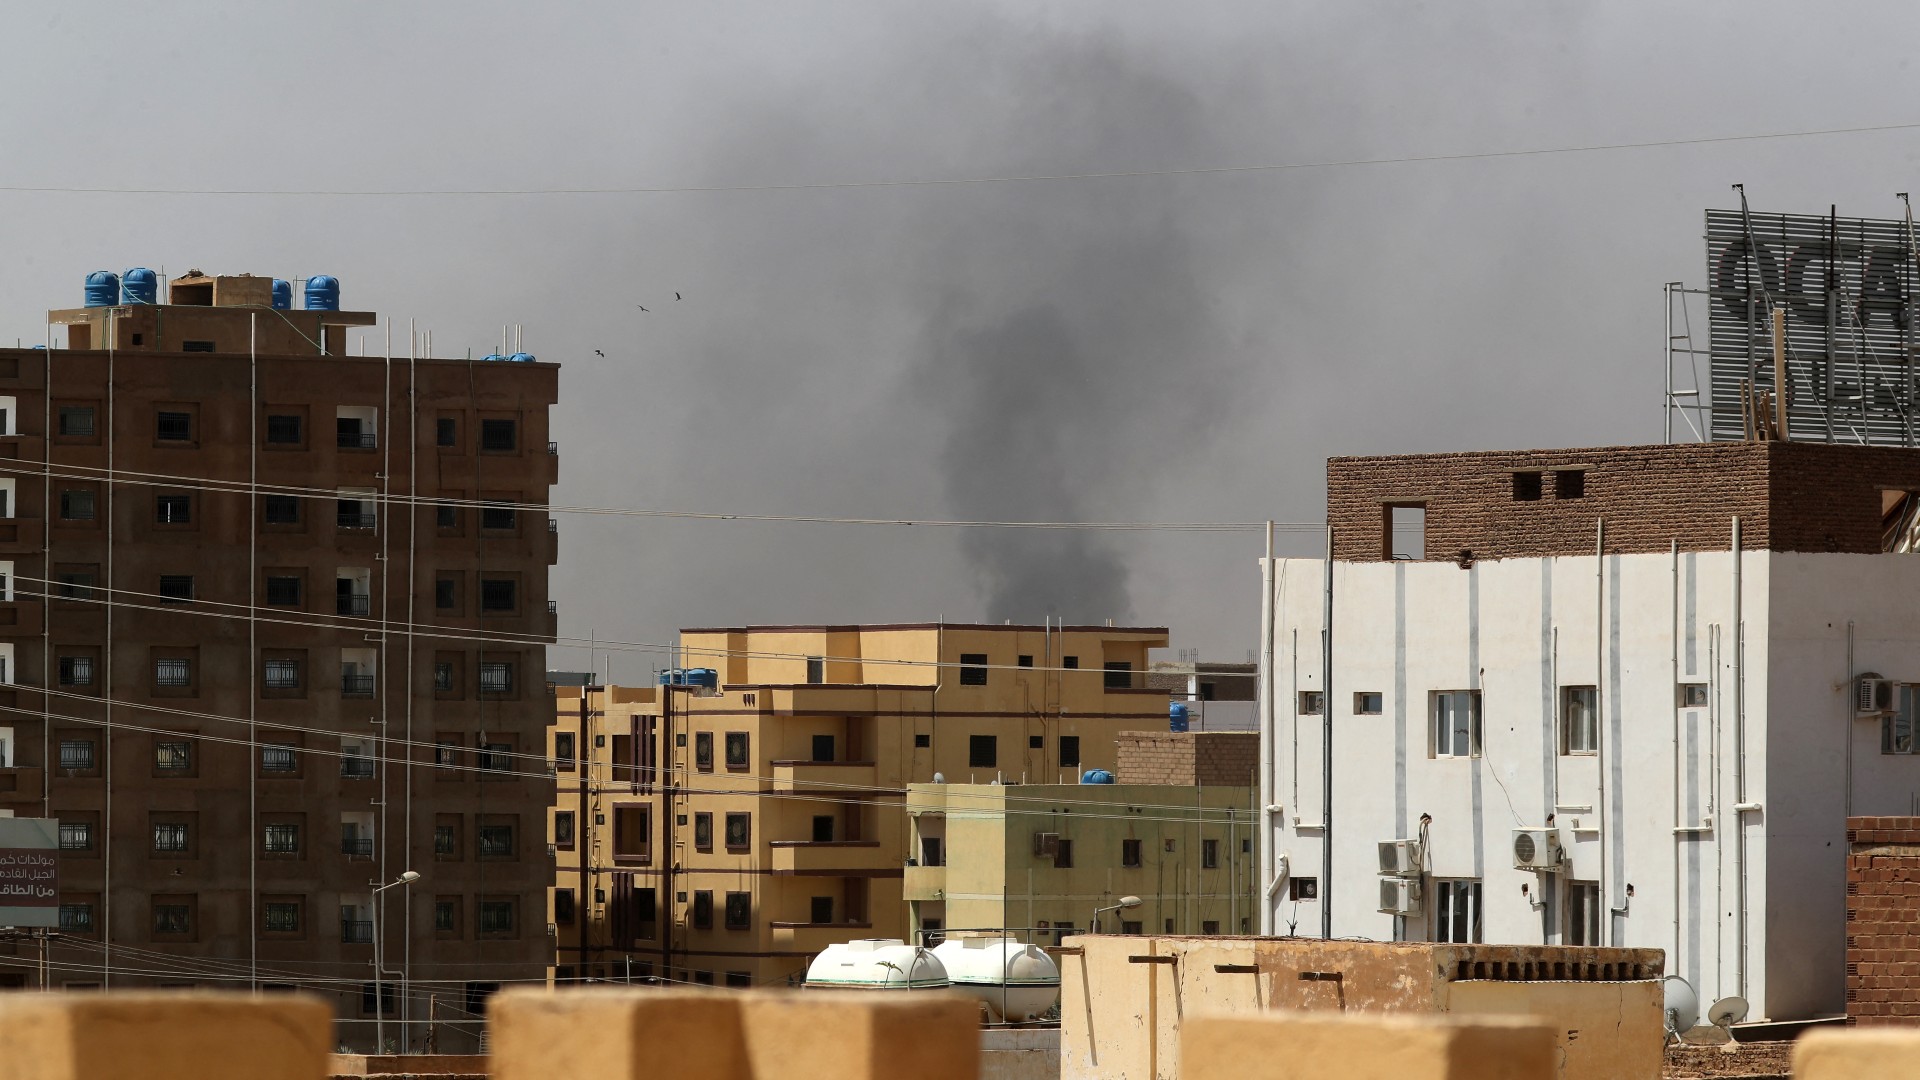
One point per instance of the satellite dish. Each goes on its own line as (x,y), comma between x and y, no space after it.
(1682,1006)
(1727,1012)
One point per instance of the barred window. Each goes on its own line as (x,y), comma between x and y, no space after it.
(76,835)
(176,587)
(173,509)
(283,918)
(283,591)
(170,919)
(76,754)
(283,430)
(281,509)
(173,756)
(76,421)
(76,671)
(276,759)
(283,674)
(496,916)
(282,839)
(496,677)
(173,672)
(76,505)
(76,918)
(497,594)
(169,836)
(496,841)
(173,426)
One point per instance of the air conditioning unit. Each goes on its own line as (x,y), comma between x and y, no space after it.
(1400,858)
(1538,849)
(1399,895)
(1046,845)
(1872,696)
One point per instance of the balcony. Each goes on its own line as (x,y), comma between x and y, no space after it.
(924,883)
(356,768)
(822,777)
(356,686)
(353,603)
(831,857)
(355,519)
(553,449)
(357,847)
(356,931)
(357,440)
(20,613)
(21,784)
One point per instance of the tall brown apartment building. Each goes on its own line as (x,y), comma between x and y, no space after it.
(255,679)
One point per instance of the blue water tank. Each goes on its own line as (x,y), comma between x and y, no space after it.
(1177,713)
(140,286)
(1096,776)
(704,677)
(282,294)
(103,288)
(323,293)
(521,358)
(491,356)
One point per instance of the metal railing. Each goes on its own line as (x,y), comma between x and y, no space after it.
(357,846)
(353,603)
(356,768)
(553,607)
(553,449)
(357,440)
(356,686)
(355,520)
(356,931)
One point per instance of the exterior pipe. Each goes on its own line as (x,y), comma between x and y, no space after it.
(1599,714)
(1739,774)
(1326,750)
(1265,692)
(1673,663)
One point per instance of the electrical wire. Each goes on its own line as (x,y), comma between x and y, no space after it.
(1027,178)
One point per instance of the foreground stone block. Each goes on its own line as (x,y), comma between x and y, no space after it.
(622,1034)
(169,1036)
(1277,1047)
(1879,1054)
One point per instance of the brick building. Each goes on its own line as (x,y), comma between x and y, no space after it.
(1606,696)
(252,679)
(1188,758)
(1883,920)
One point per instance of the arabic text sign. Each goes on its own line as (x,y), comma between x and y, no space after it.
(29,872)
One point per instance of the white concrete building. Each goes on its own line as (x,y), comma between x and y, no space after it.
(1491,673)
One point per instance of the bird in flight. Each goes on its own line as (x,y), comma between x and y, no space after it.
(676,296)
(597,352)
(642,307)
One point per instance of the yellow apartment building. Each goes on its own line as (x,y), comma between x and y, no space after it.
(1040,859)
(727,828)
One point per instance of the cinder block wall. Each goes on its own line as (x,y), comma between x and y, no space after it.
(1209,758)
(1883,920)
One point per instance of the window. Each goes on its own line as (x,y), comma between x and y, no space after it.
(446,917)
(76,918)
(563,906)
(1579,719)
(498,435)
(446,753)
(703,831)
(739,910)
(170,919)
(1133,928)
(76,671)
(170,836)
(76,584)
(633,832)
(173,509)
(1069,751)
(1036,742)
(1024,660)
(1570,484)
(1583,913)
(737,749)
(354,433)
(283,430)
(175,588)
(1209,854)
(494,842)
(283,591)
(76,421)
(281,839)
(1071,663)
(1303,889)
(496,916)
(1312,703)
(1130,853)
(1210,926)
(1526,486)
(702,910)
(283,918)
(446,842)
(276,759)
(563,828)
(497,594)
(1063,855)
(76,835)
(563,748)
(739,831)
(820,911)
(446,593)
(497,516)
(703,751)
(496,756)
(446,517)
(1456,723)
(172,756)
(1693,695)
(445,431)
(196,346)
(283,674)
(1368,703)
(173,672)
(173,426)
(1457,912)
(816,669)
(983,751)
(1118,676)
(739,980)
(1897,728)
(973,669)
(76,505)
(1406,532)
(922,740)
(496,677)
(281,509)
(443,677)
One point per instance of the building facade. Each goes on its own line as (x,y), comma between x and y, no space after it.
(1039,860)
(1614,696)
(733,831)
(255,679)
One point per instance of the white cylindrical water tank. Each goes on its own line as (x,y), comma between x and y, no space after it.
(1017,982)
(876,964)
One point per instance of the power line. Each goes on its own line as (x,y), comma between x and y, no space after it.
(1026,178)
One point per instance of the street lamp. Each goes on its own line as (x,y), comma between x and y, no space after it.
(379,999)
(1127,903)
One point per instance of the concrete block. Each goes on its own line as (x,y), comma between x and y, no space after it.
(1354,1047)
(817,1035)
(1875,1054)
(188,1035)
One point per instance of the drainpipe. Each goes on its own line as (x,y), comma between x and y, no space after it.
(1599,713)
(1740,804)
(1326,751)
(1264,819)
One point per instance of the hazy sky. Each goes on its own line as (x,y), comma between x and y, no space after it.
(1170,349)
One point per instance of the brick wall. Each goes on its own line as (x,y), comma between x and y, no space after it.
(1883,920)
(1789,496)
(1208,758)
